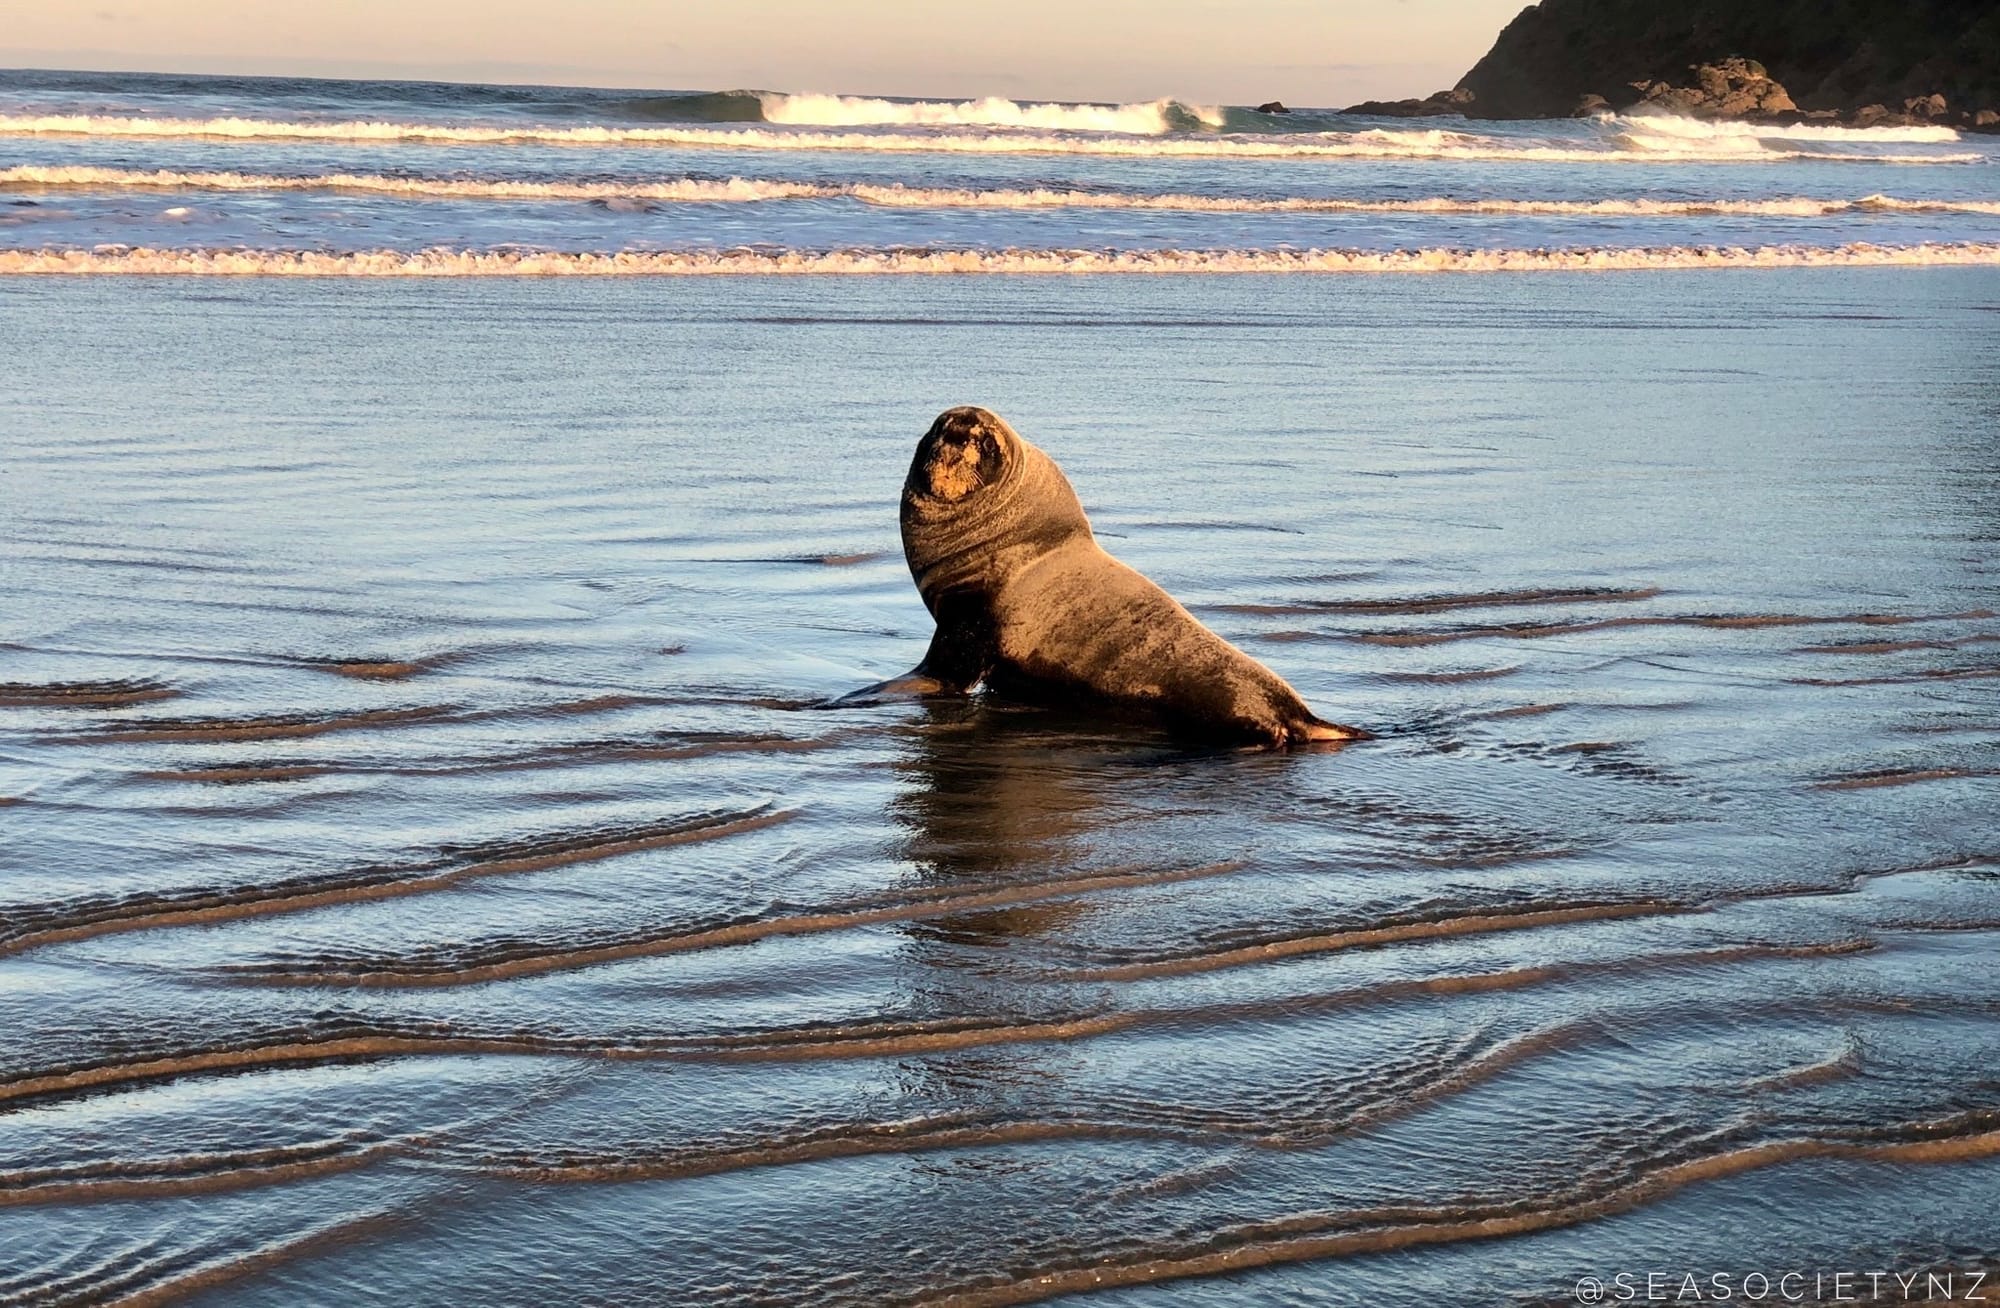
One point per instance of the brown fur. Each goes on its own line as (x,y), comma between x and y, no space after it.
(1027,602)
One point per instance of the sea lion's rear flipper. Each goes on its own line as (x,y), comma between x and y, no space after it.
(1315,732)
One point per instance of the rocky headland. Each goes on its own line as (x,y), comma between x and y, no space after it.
(1853,62)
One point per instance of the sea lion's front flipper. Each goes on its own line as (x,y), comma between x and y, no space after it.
(914,684)
(961,652)
(957,661)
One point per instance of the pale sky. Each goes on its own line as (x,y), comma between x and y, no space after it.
(1310,52)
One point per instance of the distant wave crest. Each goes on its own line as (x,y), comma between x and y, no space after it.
(1147,118)
(669,190)
(705,107)
(1155,118)
(1681,127)
(1633,144)
(517,263)
(730,190)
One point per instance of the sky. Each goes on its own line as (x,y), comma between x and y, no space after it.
(1307,52)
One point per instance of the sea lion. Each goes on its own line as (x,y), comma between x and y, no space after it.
(1028,603)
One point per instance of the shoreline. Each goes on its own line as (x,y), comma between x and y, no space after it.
(454,263)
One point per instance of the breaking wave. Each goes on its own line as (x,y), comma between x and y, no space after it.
(1378,143)
(520,263)
(1705,129)
(677,189)
(897,195)
(1145,118)
(1155,118)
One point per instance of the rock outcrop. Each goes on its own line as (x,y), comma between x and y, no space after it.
(1442,102)
(1885,61)
(1734,88)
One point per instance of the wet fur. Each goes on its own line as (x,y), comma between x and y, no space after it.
(1028,603)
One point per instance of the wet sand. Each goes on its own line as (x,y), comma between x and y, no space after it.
(426,878)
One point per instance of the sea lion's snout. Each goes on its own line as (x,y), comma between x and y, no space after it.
(959,454)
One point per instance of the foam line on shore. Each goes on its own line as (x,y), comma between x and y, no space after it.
(733,190)
(669,190)
(148,261)
(1641,141)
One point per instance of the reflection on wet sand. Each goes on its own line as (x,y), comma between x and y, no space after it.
(997,794)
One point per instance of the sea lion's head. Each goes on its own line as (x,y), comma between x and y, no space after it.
(980,501)
(965,451)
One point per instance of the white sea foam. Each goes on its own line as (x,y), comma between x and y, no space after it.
(1632,145)
(519,263)
(897,195)
(677,189)
(1783,207)
(1707,129)
(1155,118)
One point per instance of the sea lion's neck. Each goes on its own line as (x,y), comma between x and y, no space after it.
(979,543)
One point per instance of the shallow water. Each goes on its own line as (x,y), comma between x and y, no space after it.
(425,880)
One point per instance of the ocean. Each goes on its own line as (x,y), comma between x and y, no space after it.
(125,173)
(431,873)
